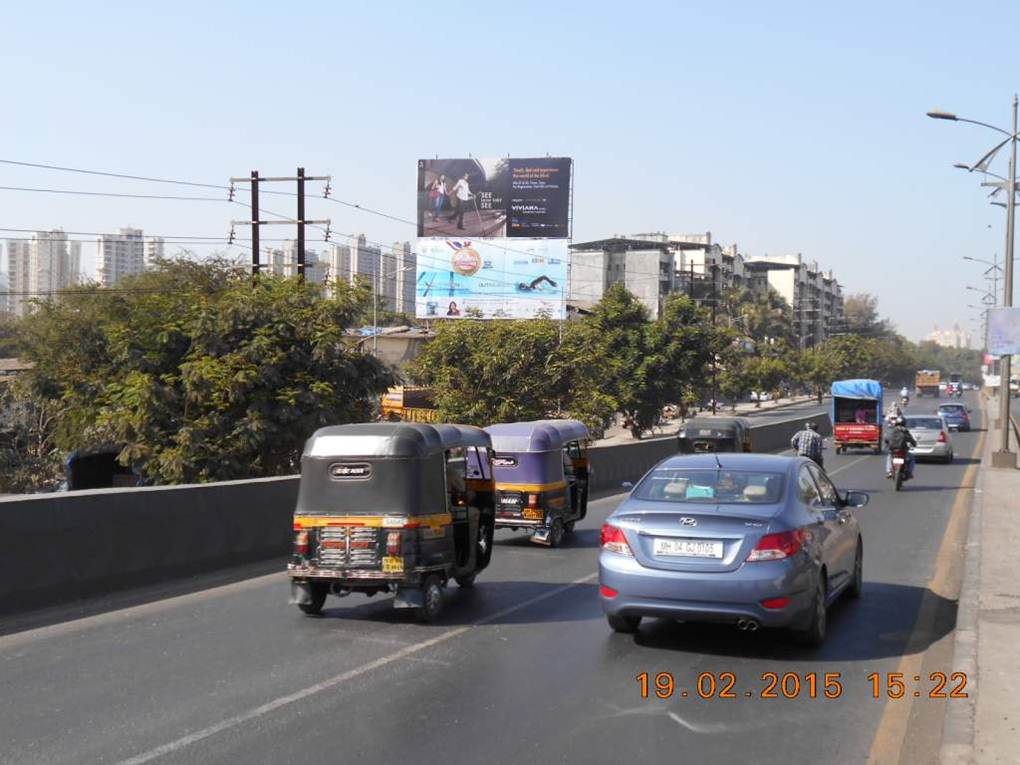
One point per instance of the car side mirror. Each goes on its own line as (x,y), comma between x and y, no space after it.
(628,485)
(856,499)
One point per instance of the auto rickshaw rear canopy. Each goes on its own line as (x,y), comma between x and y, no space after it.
(392,439)
(716,427)
(536,435)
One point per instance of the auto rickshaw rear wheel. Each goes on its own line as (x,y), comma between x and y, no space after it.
(556,532)
(432,597)
(318,592)
(569,526)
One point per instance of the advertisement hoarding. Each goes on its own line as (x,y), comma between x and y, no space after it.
(491,278)
(1004,331)
(494,198)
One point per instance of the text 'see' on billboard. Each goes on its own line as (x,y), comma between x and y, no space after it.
(495,198)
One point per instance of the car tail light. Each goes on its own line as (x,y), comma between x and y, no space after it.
(301,543)
(393,543)
(778,546)
(533,500)
(614,540)
(607,592)
(942,437)
(775,603)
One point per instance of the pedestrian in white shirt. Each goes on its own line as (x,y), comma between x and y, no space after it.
(462,195)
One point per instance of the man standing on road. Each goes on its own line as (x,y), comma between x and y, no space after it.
(808,443)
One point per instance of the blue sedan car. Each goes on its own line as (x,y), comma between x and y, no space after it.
(957,416)
(753,540)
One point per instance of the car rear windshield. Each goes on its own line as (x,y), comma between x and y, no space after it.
(924,423)
(741,487)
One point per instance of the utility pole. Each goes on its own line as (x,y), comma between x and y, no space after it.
(255,222)
(301,223)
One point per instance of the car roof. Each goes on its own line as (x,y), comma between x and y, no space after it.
(772,463)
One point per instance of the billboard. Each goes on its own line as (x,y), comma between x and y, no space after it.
(491,278)
(494,198)
(1004,331)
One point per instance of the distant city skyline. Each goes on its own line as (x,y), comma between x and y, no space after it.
(785,129)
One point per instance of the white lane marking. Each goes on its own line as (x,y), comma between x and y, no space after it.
(282,701)
(847,465)
(700,727)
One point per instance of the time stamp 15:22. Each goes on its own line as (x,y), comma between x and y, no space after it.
(796,685)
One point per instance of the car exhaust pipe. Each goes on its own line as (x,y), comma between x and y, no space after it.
(747,625)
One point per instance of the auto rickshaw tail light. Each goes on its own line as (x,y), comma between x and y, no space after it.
(301,543)
(614,540)
(393,543)
(533,500)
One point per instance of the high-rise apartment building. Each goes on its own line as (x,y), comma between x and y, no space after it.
(119,255)
(44,264)
(154,250)
(284,262)
(4,288)
(405,266)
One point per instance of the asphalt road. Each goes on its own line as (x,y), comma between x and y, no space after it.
(522,669)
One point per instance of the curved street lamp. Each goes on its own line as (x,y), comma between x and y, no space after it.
(1002,458)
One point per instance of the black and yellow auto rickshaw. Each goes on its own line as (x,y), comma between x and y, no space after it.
(392,507)
(541,470)
(714,434)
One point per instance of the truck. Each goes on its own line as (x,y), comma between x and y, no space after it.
(927,382)
(409,403)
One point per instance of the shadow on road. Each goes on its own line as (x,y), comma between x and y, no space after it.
(579,539)
(484,603)
(880,625)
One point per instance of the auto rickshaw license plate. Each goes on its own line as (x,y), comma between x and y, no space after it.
(536,515)
(391,564)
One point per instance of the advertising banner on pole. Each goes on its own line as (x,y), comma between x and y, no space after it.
(491,278)
(1004,331)
(504,197)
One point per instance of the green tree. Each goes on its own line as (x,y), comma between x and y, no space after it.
(29,460)
(8,336)
(202,375)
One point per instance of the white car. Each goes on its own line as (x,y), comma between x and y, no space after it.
(761,396)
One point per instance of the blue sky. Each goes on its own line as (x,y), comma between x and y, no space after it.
(783,127)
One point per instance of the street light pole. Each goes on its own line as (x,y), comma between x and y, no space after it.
(1004,457)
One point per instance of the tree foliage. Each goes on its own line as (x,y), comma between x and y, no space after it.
(201,375)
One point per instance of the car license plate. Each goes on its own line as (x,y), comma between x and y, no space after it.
(898,461)
(391,564)
(689,548)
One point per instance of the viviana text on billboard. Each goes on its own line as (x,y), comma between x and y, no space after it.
(505,197)
(491,278)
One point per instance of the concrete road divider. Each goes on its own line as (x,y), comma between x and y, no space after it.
(64,547)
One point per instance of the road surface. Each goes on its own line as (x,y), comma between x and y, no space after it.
(522,669)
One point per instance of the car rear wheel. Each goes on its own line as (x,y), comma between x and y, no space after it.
(318,592)
(814,633)
(627,625)
(857,583)
(949,458)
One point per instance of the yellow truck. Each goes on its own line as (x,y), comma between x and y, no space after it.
(927,382)
(409,403)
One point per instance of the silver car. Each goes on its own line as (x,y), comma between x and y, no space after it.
(932,435)
(754,540)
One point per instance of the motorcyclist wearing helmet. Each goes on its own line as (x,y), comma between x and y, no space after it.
(808,443)
(900,439)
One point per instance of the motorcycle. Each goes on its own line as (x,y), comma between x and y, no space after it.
(899,467)
(958,391)
(904,401)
